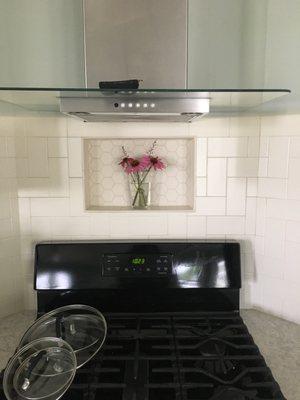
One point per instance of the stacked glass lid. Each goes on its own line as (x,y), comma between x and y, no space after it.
(51,350)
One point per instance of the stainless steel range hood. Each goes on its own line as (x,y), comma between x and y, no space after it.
(145,40)
(142,39)
(136,39)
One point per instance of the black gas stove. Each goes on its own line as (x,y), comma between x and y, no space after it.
(172,310)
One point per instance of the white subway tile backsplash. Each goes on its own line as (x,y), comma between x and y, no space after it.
(271,303)
(24,216)
(244,126)
(6,228)
(216,177)
(274,238)
(51,198)
(6,125)
(57,147)
(133,129)
(292,266)
(7,168)
(211,205)
(255,292)
(5,211)
(49,207)
(76,127)
(284,209)
(273,267)
(11,286)
(43,126)
(295,147)
(252,187)
(293,183)
(40,229)
(209,127)
(261,216)
(33,187)
(177,225)
(278,157)
(120,225)
(250,265)
(59,180)
(253,146)
(196,226)
(225,225)
(201,187)
(37,157)
(242,167)
(22,167)
(76,197)
(291,302)
(201,156)
(134,226)
(263,167)
(250,221)
(152,225)
(100,225)
(236,196)
(10,147)
(293,231)
(20,144)
(70,226)
(3,146)
(75,157)
(272,187)
(264,146)
(227,147)
(280,125)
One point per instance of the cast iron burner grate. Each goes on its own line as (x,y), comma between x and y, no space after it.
(176,357)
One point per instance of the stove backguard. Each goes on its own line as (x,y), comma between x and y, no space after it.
(139,276)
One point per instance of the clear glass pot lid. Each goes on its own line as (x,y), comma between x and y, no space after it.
(43,369)
(82,327)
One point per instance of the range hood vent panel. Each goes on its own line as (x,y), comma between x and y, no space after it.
(130,109)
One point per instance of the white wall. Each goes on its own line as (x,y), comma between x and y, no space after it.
(41,43)
(282,55)
(226,43)
(11,279)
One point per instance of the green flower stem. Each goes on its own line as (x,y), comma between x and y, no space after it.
(145,176)
(139,190)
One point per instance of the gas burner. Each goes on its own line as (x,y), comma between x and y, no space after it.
(212,348)
(232,393)
(208,328)
(224,369)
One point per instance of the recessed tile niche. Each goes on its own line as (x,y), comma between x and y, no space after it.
(107,186)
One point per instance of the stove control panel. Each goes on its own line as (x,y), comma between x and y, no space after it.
(137,265)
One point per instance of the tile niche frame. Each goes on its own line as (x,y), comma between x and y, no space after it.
(106,187)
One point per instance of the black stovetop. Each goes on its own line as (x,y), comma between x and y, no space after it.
(176,356)
(172,310)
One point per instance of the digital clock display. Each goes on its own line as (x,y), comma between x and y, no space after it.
(138,261)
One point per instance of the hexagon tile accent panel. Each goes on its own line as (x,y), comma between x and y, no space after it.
(107,186)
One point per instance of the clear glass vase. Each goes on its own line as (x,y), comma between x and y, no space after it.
(140,195)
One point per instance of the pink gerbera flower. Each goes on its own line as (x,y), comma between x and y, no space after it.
(154,162)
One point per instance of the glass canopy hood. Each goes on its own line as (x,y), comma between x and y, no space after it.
(142,104)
